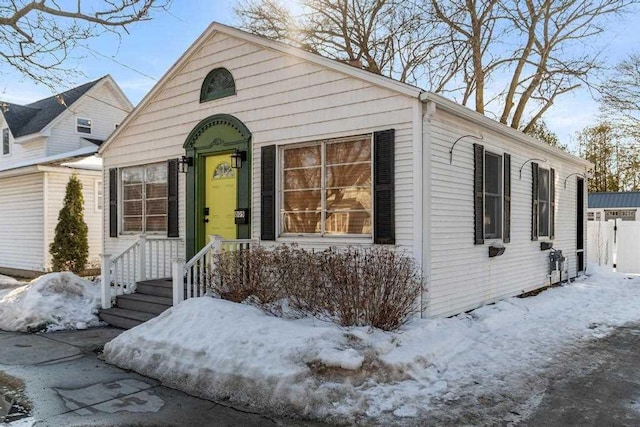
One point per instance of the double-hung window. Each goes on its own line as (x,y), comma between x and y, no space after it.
(83,126)
(327,188)
(543,204)
(492,196)
(144,198)
(6,144)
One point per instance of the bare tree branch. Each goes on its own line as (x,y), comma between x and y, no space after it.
(37,37)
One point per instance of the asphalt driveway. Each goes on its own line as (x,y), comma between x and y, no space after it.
(68,385)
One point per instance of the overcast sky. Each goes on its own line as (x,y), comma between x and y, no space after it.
(153,46)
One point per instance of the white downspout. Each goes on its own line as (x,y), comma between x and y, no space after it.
(428,111)
(45,220)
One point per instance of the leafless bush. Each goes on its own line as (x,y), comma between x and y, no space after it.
(255,272)
(372,287)
(352,287)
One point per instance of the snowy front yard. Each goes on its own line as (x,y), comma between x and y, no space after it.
(308,368)
(51,302)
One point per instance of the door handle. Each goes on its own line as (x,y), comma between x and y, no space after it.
(206,220)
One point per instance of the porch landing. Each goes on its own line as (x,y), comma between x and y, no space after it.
(151,298)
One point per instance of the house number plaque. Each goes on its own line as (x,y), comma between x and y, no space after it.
(241,216)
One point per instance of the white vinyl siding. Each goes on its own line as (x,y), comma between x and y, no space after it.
(282,100)
(94,105)
(22,222)
(461,275)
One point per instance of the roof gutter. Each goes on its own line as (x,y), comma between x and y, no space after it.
(514,134)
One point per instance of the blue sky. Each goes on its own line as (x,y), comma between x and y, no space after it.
(153,46)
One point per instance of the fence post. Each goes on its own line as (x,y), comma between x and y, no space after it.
(177,273)
(106,280)
(216,243)
(142,257)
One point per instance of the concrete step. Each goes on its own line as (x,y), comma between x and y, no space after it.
(123,318)
(144,303)
(158,287)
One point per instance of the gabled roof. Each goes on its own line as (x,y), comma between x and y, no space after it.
(32,118)
(215,27)
(630,199)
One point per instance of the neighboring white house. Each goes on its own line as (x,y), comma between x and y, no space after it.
(621,205)
(43,144)
(333,155)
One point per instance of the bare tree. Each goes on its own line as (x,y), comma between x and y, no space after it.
(394,38)
(541,46)
(621,95)
(37,37)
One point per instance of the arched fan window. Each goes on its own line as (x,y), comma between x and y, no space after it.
(218,84)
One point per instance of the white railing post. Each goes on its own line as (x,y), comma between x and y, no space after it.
(106,281)
(216,243)
(142,257)
(177,267)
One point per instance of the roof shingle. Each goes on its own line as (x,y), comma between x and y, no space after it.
(629,199)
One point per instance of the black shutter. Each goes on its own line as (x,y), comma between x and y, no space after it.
(534,201)
(384,228)
(552,203)
(113,202)
(268,196)
(478,192)
(506,237)
(172,198)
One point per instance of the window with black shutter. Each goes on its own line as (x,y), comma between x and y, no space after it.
(492,195)
(113,202)
(268,193)
(172,198)
(543,204)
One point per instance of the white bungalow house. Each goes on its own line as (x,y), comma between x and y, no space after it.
(43,144)
(283,146)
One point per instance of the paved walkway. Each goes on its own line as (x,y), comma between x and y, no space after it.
(68,386)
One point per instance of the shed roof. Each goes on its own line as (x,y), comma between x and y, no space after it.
(630,199)
(32,118)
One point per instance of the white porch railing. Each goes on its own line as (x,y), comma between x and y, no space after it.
(146,259)
(191,279)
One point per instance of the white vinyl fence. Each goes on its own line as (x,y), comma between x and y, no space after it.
(614,243)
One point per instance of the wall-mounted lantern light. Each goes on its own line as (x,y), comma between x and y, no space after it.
(531,160)
(585,175)
(237,157)
(183,164)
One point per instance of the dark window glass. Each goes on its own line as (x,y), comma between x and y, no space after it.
(543,202)
(492,196)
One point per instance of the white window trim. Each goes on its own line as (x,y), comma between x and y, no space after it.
(144,215)
(96,193)
(492,240)
(328,238)
(89,127)
(544,236)
(10,143)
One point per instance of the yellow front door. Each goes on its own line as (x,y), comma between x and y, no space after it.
(220,198)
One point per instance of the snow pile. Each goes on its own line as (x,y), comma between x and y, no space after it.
(53,302)
(6,281)
(221,350)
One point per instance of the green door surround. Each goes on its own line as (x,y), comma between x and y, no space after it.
(217,134)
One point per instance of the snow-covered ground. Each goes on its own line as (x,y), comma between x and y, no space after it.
(308,368)
(53,302)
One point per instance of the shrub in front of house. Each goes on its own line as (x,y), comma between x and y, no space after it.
(354,286)
(70,247)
